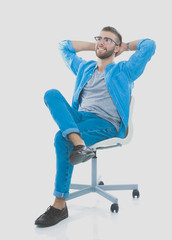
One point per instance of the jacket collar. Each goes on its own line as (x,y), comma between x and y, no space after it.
(108,66)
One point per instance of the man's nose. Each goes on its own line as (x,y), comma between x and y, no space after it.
(101,42)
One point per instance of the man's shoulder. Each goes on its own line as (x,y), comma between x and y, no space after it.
(121,63)
(87,64)
(118,66)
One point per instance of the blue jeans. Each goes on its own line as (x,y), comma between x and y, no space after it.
(91,128)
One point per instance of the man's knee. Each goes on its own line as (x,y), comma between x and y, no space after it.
(50,94)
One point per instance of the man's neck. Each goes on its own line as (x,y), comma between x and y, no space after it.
(102,63)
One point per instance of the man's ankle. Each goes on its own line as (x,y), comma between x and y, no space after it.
(58,206)
(76,139)
(59,203)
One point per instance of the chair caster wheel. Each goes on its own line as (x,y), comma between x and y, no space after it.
(114,207)
(100,183)
(136,193)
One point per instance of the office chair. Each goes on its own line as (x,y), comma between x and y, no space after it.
(99,187)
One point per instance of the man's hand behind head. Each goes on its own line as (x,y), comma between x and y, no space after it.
(122,48)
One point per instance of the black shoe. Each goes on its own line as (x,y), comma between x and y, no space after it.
(51,217)
(81,153)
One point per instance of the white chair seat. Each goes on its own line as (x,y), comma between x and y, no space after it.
(108,143)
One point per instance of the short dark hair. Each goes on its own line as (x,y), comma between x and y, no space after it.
(113,30)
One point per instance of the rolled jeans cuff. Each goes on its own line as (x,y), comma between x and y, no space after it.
(60,194)
(70,130)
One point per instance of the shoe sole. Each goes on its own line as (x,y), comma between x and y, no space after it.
(80,159)
(49,225)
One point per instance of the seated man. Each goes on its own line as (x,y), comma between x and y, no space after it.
(100,105)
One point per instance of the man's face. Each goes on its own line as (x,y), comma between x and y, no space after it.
(105,49)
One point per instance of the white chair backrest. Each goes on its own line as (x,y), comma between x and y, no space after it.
(129,132)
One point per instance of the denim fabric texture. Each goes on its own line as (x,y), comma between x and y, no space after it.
(119,77)
(91,128)
(119,80)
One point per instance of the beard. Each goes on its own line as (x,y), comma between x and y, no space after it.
(104,54)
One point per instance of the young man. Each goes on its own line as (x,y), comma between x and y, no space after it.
(100,105)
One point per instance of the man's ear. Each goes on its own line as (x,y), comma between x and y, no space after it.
(116,50)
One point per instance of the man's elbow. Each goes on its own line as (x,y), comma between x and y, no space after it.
(66,46)
(152,46)
(147,47)
(62,45)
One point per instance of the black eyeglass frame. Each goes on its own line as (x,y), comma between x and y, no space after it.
(105,38)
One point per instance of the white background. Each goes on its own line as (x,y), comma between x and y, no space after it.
(30,65)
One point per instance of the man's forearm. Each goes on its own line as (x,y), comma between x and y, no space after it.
(132,45)
(83,46)
(127,46)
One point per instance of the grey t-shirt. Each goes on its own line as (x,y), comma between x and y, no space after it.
(95,98)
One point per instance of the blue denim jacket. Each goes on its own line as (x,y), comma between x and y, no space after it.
(119,77)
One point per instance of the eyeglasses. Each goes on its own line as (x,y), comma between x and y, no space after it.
(105,40)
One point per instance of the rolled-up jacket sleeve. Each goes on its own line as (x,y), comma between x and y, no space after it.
(136,64)
(69,56)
